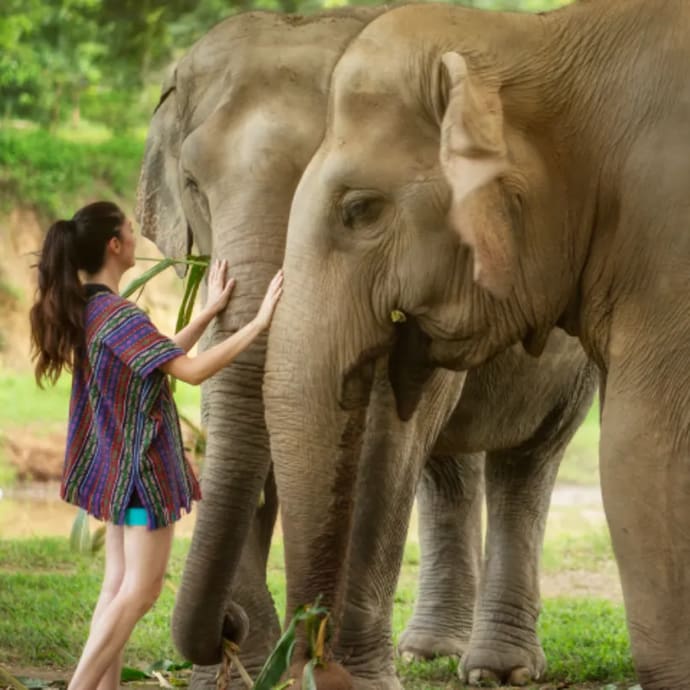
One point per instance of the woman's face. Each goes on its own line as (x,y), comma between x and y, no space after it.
(127,244)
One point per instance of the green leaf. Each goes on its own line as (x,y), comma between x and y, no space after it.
(279,660)
(283,686)
(194,279)
(168,665)
(146,276)
(80,537)
(128,674)
(308,680)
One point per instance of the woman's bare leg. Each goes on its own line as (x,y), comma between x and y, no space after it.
(112,581)
(146,558)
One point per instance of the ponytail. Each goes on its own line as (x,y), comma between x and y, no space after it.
(57,316)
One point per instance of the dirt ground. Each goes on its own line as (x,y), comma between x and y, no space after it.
(34,458)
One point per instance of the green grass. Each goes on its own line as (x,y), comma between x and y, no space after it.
(586,551)
(23,404)
(585,640)
(47,594)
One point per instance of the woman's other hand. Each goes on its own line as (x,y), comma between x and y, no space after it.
(275,290)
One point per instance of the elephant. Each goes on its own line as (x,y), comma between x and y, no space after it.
(494,177)
(229,138)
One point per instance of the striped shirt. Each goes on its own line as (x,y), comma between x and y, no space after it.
(124,438)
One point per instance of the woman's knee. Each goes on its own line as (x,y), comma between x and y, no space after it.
(142,595)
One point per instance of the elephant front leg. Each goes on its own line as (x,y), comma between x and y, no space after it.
(503,646)
(393,455)
(645,475)
(449,504)
(385,495)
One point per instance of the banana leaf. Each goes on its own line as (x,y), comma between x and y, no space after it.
(146,276)
(98,539)
(280,658)
(194,279)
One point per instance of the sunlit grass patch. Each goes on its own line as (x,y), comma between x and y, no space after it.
(587,551)
(581,462)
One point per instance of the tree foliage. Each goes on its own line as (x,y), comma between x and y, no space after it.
(67,58)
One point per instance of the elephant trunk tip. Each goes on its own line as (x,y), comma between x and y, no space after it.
(196,642)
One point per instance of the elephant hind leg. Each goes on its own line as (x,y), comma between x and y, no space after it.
(449,504)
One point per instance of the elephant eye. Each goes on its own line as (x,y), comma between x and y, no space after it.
(360,210)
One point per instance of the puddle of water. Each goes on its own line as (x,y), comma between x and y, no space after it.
(36,510)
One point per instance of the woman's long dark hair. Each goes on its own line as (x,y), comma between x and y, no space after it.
(57,316)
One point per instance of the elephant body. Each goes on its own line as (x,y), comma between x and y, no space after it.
(235,127)
(494,176)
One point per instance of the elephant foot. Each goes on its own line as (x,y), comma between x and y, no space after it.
(379,683)
(334,676)
(419,645)
(206,677)
(203,678)
(330,676)
(502,664)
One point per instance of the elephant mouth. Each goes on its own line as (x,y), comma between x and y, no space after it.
(409,368)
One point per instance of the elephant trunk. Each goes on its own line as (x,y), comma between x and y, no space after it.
(236,466)
(314,442)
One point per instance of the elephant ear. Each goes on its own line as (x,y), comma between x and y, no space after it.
(473,156)
(159,208)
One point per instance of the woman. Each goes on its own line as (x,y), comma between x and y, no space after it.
(124,461)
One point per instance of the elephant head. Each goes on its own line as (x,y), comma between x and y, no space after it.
(230,137)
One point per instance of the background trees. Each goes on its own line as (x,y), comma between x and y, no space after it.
(101,60)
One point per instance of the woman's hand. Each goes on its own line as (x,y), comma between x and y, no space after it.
(219,290)
(275,290)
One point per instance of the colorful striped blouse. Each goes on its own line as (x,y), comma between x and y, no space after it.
(124,440)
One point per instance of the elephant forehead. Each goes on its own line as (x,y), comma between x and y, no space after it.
(368,68)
